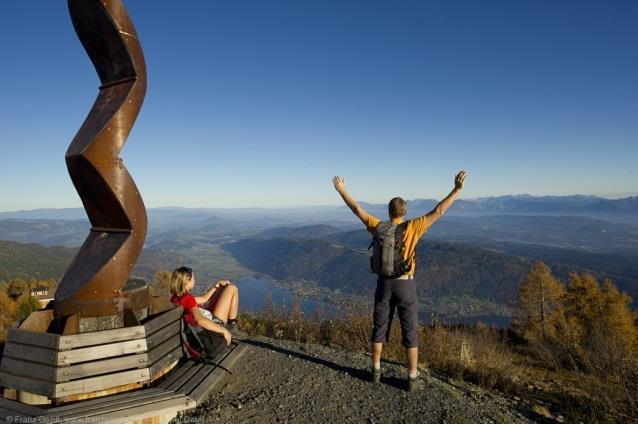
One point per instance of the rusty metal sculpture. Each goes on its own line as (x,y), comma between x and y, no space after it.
(92,285)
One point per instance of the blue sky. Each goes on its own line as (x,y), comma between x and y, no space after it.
(260,103)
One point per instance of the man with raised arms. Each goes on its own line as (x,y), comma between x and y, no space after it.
(395,264)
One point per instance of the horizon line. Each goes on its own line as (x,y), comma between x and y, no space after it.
(522,195)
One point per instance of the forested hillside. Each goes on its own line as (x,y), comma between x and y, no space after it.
(447,272)
(33,260)
(443,268)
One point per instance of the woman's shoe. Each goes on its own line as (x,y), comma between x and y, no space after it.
(232,326)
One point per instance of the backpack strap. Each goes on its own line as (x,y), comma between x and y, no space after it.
(399,233)
(192,345)
(375,236)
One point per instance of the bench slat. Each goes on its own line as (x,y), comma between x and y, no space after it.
(177,384)
(18,335)
(152,410)
(93,338)
(161,320)
(102,351)
(24,368)
(119,397)
(168,346)
(88,369)
(20,408)
(30,353)
(93,384)
(197,378)
(177,373)
(27,384)
(171,330)
(202,390)
(160,366)
(101,410)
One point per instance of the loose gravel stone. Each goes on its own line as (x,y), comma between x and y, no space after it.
(282,381)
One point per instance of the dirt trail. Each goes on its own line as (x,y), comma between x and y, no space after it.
(281,381)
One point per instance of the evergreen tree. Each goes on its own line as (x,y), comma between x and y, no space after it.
(582,306)
(601,332)
(616,314)
(539,304)
(583,299)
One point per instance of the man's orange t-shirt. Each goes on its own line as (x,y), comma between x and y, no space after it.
(415,229)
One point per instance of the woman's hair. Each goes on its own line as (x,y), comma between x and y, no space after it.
(180,277)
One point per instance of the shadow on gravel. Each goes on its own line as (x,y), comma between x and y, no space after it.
(398,383)
(353,372)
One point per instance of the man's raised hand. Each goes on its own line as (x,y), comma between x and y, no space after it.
(340,184)
(459,180)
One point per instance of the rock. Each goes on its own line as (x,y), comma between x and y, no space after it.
(542,411)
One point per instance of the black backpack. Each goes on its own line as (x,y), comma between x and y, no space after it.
(388,246)
(200,344)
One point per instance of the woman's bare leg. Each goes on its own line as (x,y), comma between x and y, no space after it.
(234,304)
(225,302)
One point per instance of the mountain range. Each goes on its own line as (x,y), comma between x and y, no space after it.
(625,209)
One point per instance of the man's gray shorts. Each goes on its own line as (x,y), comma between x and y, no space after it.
(399,294)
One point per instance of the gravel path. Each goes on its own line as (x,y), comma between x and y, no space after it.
(279,381)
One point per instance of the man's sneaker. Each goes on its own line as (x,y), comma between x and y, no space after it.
(414,383)
(375,375)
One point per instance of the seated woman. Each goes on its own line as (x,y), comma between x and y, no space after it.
(220,302)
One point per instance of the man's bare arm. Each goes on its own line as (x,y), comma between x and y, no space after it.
(444,205)
(340,186)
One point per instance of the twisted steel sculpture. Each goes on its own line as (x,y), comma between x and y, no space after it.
(92,285)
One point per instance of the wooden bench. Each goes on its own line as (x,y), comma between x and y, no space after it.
(183,388)
(63,367)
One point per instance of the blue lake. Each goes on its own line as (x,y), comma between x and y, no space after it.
(253,293)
